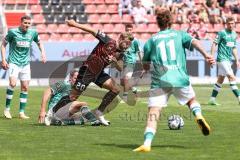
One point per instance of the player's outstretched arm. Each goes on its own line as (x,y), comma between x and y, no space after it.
(209,58)
(46,95)
(213,48)
(88,29)
(3,55)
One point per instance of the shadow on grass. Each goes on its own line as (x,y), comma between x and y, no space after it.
(132,146)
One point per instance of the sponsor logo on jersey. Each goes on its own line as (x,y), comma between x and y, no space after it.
(25,44)
(230,44)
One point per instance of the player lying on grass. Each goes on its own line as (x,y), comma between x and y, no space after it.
(166,51)
(107,51)
(74,112)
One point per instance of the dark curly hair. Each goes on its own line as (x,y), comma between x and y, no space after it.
(164,17)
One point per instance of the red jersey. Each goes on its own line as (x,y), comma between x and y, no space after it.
(99,57)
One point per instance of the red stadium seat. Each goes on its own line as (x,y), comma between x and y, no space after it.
(88,2)
(90,9)
(97,26)
(44,37)
(55,37)
(184,26)
(113,36)
(41,28)
(112,1)
(237,27)
(10,2)
(51,28)
(77,37)
(36,9)
(218,27)
(127,18)
(33,2)
(141,28)
(145,36)
(116,19)
(119,28)
(62,28)
(108,28)
(113,8)
(21,1)
(102,8)
(105,18)
(89,37)
(151,18)
(66,37)
(153,28)
(93,18)
(175,26)
(38,18)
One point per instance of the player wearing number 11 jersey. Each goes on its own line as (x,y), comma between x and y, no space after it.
(166,51)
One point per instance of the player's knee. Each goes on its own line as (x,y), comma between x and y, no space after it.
(116,90)
(12,84)
(24,88)
(231,78)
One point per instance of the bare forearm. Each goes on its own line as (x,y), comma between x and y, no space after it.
(119,65)
(41,48)
(213,49)
(45,97)
(3,51)
(235,54)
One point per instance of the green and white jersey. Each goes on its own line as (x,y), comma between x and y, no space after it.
(19,45)
(59,90)
(166,51)
(130,56)
(226,41)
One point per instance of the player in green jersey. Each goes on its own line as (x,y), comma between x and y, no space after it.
(129,61)
(72,113)
(166,51)
(226,42)
(18,65)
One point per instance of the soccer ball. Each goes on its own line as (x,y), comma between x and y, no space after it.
(175,122)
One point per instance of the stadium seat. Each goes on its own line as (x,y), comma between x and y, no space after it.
(153,28)
(141,28)
(97,26)
(41,28)
(51,28)
(38,18)
(88,2)
(151,18)
(112,9)
(21,2)
(10,2)
(108,28)
(115,18)
(62,28)
(21,7)
(59,18)
(71,16)
(218,27)
(93,18)
(138,36)
(46,9)
(102,8)
(66,37)
(44,37)
(44,2)
(33,2)
(77,37)
(57,9)
(80,8)
(90,9)
(74,30)
(36,9)
(76,2)
(184,26)
(126,18)
(113,36)
(68,8)
(175,26)
(54,37)
(105,18)
(145,36)
(55,2)
(49,18)
(99,1)
(81,18)
(119,28)
(237,27)
(112,1)
(88,37)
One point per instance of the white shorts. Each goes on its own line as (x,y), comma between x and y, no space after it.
(21,72)
(127,71)
(224,68)
(62,113)
(158,97)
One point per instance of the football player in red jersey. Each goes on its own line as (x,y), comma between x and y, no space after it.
(107,51)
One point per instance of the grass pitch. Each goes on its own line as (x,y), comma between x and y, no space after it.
(27,140)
